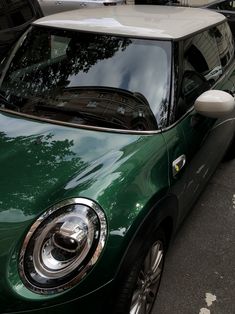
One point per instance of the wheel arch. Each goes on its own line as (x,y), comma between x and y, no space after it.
(162,214)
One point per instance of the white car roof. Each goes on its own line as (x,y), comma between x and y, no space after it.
(163,22)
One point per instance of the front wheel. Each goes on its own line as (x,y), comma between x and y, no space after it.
(148,280)
(140,287)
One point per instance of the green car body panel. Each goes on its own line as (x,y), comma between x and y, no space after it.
(44,164)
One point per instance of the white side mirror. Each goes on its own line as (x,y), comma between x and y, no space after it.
(214,104)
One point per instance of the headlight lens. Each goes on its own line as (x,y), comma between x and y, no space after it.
(62,246)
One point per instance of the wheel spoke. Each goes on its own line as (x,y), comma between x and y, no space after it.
(153,259)
(155,276)
(155,252)
(140,306)
(143,306)
(134,308)
(141,277)
(157,261)
(135,297)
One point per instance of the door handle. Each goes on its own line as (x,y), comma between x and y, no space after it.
(178,164)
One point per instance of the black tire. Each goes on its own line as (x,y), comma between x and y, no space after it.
(230,153)
(136,285)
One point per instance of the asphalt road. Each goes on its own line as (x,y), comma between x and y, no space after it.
(199,276)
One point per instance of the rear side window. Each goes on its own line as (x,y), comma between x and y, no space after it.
(224,41)
(205,58)
(201,56)
(14,13)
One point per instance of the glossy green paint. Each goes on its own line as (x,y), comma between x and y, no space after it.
(42,164)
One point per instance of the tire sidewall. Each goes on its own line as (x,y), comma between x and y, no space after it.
(132,265)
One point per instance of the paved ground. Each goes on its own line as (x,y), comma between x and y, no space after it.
(199,275)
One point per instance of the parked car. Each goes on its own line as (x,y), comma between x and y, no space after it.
(109,131)
(51,6)
(15,17)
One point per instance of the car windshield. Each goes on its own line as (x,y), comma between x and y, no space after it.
(89,79)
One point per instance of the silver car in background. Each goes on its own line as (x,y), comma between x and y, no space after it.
(54,6)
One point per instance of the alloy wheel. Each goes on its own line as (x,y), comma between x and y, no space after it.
(148,280)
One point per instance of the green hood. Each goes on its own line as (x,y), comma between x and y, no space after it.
(42,164)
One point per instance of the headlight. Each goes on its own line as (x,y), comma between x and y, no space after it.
(62,246)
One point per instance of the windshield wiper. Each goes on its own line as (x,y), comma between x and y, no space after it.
(86,117)
(139,97)
(142,110)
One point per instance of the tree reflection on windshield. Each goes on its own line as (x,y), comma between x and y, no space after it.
(47,60)
(50,62)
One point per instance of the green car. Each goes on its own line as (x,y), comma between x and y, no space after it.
(112,121)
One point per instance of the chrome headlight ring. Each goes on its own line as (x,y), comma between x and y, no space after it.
(62,246)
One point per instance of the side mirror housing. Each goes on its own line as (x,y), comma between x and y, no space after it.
(214,104)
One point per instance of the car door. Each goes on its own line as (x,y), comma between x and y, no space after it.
(203,141)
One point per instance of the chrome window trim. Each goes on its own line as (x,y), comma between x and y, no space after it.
(101,244)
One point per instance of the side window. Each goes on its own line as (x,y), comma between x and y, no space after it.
(205,58)
(224,41)
(201,69)
(201,56)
